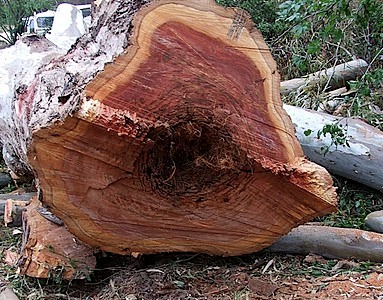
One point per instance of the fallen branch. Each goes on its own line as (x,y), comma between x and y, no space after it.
(332,242)
(335,77)
(361,161)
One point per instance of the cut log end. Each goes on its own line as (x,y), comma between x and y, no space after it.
(181,144)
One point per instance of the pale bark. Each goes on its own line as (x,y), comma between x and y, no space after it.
(18,68)
(332,78)
(332,242)
(361,161)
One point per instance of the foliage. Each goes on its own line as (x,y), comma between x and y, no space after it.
(326,32)
(14,14)
(337,132)
(367,103)
(355,203)
(306,36)
(263,13)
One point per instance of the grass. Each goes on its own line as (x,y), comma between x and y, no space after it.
(8,241)
(174,276)
(355,203)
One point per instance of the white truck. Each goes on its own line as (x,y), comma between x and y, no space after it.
(41,23)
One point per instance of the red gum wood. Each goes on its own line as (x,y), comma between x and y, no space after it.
(121,215)
(189,72)
(90,168)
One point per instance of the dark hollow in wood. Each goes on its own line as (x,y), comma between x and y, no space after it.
(190,159)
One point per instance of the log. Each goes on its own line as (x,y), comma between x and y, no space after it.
(360,161)
(170,137)
(332,242)
(335,77)
(23,197)
(8,294)
(17,74)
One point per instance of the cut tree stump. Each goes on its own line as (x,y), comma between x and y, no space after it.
(170,137)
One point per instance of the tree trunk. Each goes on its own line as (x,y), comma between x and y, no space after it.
(334,77)
(332,242)
(361,161)
(171,137)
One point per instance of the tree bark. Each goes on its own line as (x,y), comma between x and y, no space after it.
(18,70)
(335,77)
(360,161)
(332,242)
(171,137)
(49,250)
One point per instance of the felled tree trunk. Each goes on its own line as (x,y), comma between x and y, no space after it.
(332,242)
(360,160)
(332,77)
(179,143)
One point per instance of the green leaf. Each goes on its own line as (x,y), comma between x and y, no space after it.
(314,47)
(178,283)
(307,132)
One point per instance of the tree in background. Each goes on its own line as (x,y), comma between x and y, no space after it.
(263,12)
(14,16)
(74,2)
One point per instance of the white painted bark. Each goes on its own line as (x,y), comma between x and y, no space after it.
(18,67)
(360,162)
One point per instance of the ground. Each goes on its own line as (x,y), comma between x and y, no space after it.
(171,276)
(257,276)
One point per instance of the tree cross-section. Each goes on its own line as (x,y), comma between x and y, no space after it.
(180,143)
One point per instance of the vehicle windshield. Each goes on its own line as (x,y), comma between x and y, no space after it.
(85,12)
(44,22)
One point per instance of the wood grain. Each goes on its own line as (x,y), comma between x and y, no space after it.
(49,250)
(181,144)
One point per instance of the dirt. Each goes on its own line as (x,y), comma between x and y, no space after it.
(262,276)
(192,276)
